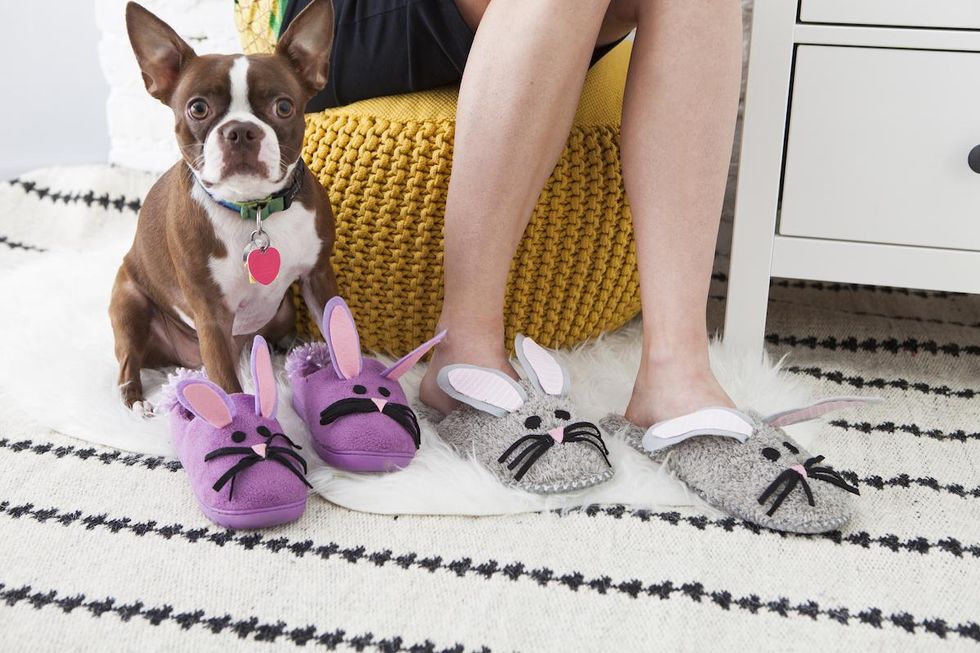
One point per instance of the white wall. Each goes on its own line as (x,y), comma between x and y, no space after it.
(141,130)
(54,94)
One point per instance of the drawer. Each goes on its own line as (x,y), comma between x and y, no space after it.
(878,144)
(962,14)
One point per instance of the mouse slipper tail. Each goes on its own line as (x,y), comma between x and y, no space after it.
(748,466)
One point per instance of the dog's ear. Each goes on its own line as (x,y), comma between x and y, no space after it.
(160,52)
(307,44)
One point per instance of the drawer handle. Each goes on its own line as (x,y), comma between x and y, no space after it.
(974,159)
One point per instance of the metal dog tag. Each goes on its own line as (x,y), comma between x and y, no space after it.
(262,261)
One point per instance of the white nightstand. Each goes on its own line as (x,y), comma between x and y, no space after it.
(860,117)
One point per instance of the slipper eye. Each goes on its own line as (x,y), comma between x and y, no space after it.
(532,422)
(563,414)
(771,454)
(791,448)
(238,436)
(384,392)
(264,431)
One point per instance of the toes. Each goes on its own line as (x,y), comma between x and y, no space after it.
(143,409)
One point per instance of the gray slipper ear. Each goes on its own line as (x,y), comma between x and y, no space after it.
(487,390)
(543,371)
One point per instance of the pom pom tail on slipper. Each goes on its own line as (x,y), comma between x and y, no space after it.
(525,432)
(745,464)
(355,407)
(244,471)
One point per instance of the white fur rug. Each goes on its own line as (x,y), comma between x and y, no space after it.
(59,372)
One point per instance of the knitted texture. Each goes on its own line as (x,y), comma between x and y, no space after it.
(385,163)
(258,23)
(563,466)
(733,476)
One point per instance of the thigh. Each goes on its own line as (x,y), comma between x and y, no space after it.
(616,26)
(388,47)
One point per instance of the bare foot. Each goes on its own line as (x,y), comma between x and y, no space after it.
(143,409)
(448,352)
(673,388)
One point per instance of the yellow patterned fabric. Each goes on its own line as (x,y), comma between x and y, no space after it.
(385,163)
(258,24)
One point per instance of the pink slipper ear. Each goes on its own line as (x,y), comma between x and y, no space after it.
(490,391)
(544,372)
(266,389)
(815,410)
(716,422)
(408,362)
(340,333)
(207,401)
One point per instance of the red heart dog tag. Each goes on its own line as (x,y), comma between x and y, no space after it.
(263,265)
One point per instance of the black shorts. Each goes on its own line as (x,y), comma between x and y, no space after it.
(386,47)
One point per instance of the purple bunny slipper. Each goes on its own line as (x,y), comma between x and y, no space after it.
(355,408)
(244,472)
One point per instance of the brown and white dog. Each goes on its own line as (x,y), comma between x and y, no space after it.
(183,295)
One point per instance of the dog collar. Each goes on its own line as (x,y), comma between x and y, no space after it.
(263,208)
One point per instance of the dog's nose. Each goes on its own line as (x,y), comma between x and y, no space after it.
(241,132)
(557,434)
(380,403)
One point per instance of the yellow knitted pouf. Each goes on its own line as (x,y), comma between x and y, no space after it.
(385,163)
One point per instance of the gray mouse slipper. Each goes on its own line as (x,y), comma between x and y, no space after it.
(748,466)
(524,432)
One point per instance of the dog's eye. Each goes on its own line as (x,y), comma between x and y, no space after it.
(791,448)
(238,436)
(563,414)
(385,392)
(771,454)
(532,422)
(198,109)
(359,389)
(284,108)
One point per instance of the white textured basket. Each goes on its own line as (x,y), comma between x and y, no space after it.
(140,128)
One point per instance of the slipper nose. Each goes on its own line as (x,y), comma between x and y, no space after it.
(259,449)
(380,403)
(799,469)
(557,434)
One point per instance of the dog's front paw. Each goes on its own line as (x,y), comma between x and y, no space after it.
(143,409)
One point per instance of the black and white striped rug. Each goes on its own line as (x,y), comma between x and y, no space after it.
(105,550)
